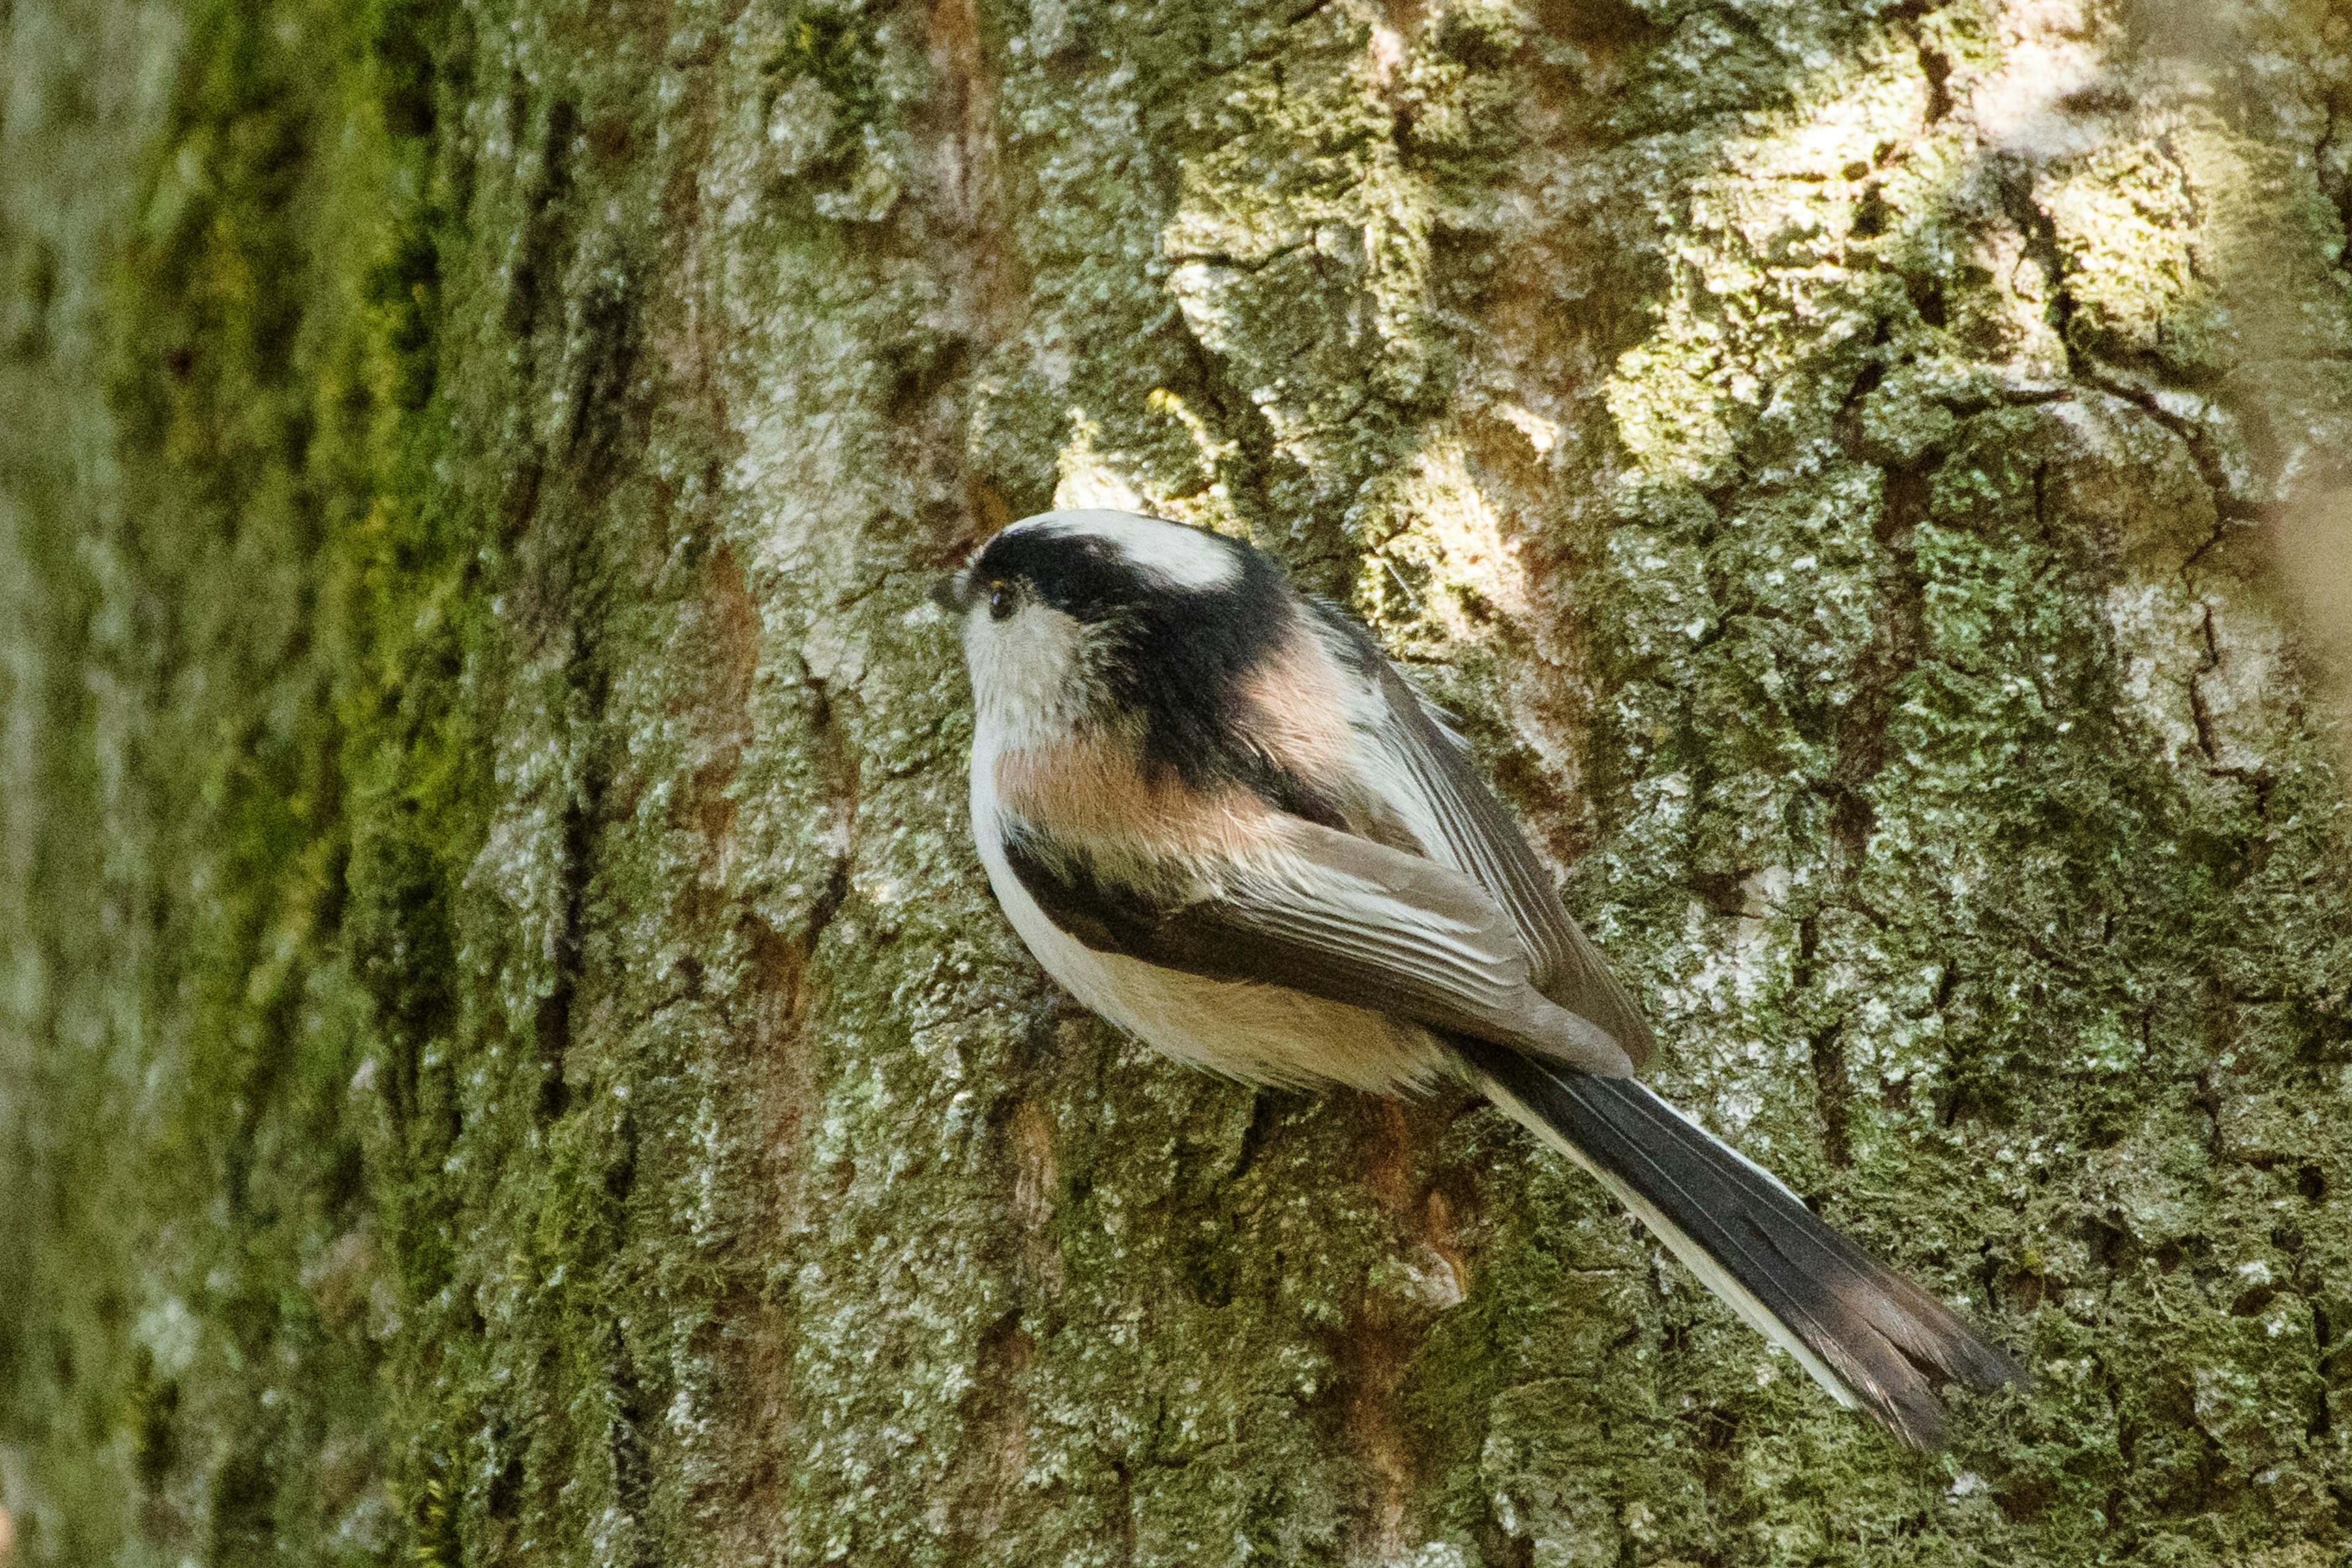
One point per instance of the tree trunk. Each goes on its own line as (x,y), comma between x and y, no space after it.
(506,1052)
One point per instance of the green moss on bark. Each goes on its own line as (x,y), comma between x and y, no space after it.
(507,1053)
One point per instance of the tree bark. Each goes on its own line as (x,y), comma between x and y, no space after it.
(506,1052)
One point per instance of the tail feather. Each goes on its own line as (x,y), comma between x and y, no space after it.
(1870,1337)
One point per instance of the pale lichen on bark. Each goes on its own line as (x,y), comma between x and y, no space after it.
(507,1050)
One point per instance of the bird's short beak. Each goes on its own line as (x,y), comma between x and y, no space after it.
(948,593)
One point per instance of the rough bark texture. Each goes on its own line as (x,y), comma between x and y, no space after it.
(506,1053)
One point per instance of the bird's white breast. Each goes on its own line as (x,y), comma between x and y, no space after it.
(1261,1033)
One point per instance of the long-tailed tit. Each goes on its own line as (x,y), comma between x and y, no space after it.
(1219,816)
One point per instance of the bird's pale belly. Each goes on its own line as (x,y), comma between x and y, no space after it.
(1262,1034)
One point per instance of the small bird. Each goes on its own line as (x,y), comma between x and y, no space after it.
(1219,816)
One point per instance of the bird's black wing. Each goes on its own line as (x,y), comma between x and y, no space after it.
(1328,914)
(1480,840)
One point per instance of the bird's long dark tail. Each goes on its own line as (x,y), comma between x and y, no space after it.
(1871,1337)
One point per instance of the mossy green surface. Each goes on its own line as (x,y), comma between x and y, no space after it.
(505,1052)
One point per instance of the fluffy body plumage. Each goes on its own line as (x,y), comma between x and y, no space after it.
(1217,814)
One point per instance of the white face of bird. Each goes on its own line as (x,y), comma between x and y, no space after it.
(1046,603)
(1029,666)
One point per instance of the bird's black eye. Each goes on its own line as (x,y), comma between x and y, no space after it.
(1001,600)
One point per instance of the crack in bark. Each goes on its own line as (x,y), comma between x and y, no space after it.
(1378,1346)
(1893,653)
(2013,178)
(1825,1047)
(995,1418)
(558,590)
(2226,506)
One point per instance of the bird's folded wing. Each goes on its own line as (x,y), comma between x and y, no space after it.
(1482,841)
(1333,916)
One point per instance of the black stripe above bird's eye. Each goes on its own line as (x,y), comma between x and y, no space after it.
(1084,577)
